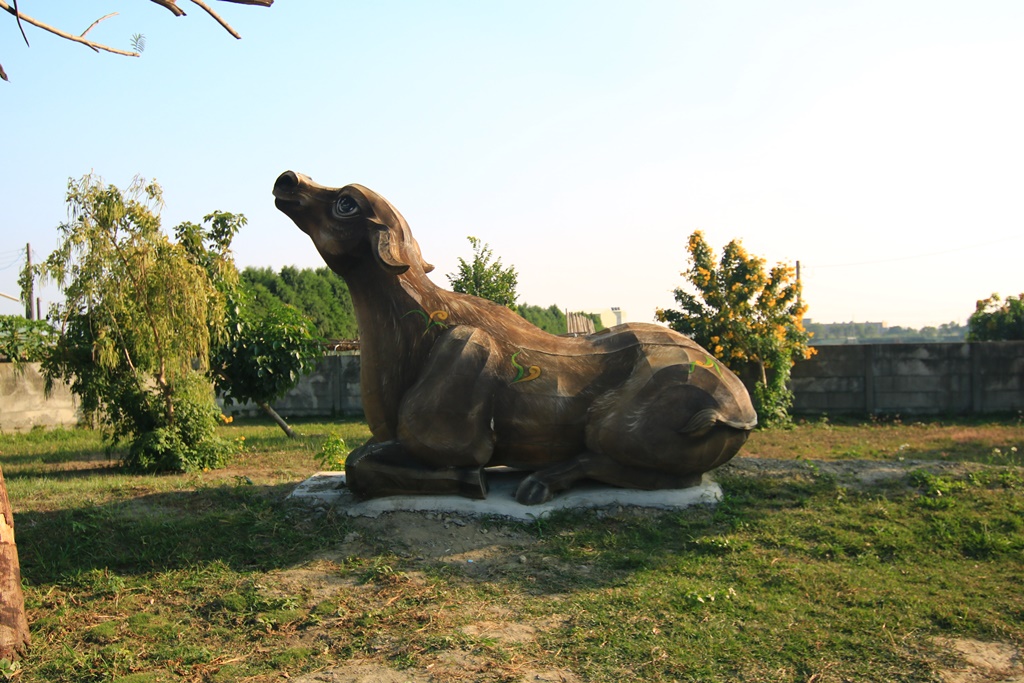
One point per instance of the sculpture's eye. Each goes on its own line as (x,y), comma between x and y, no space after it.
(345,207)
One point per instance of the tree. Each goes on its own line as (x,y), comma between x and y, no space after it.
(14,633)
(266,346)
(138,314)
(485,279)
(269,347)
(749,316)
(995,319)
(320,294)
(138,41)
(23,340)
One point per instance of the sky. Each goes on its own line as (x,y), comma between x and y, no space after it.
(878,144)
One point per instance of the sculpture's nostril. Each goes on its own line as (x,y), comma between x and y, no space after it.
(286,183)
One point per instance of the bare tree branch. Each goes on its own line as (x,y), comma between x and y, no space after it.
(166,4)
(64,34)
(93,24)
(17,18)
(169,4)
(216,16)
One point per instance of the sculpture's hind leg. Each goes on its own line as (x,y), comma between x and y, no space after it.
(540,486)
(657,431)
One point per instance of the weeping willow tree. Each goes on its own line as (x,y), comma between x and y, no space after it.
(136,326)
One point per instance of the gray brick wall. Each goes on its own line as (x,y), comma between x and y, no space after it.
(924,379)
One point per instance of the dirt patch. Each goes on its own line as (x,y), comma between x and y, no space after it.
(478,545)
(357,671)
(450,667)
(982,662)
(856,473)
(510,632)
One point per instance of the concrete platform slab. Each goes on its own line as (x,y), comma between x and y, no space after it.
(327,490)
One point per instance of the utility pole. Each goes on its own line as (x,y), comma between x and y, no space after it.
(29,295)
(800,291)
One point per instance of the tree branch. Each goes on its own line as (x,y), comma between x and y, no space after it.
(169,5)
(17,17)
(93,24)
(209,10)
(64,34)
(166,4)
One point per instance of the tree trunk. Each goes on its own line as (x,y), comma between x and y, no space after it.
(14,638)
(278,419)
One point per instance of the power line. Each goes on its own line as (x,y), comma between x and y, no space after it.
(17,260)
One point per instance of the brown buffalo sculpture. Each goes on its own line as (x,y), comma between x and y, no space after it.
(452,384)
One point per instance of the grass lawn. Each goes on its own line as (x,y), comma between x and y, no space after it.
(799,575)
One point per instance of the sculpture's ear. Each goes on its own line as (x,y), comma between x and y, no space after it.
(387,248)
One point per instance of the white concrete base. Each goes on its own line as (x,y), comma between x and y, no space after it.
(327,489)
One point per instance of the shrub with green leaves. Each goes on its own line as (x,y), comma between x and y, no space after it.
(266,350)
(189,442)
(23,340)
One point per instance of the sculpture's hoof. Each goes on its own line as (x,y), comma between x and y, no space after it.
(533,491)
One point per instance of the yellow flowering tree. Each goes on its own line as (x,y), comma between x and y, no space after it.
(748,315)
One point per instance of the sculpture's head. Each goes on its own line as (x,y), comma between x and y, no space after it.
(349,224)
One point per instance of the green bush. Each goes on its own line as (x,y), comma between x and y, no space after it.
(186,444)
(23,340)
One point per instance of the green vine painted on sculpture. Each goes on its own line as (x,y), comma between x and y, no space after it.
(435,319)
(524,374)
(708,363)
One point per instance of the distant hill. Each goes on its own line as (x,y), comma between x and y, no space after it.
(880,333)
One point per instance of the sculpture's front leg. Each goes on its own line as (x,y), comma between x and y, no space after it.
(445,417)
(387,469)
(444,428)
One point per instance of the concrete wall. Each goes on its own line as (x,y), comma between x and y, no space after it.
(331,390)
(24,405)
(909,379)
(921,379)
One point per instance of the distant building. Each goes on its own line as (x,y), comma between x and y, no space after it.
(610,317)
